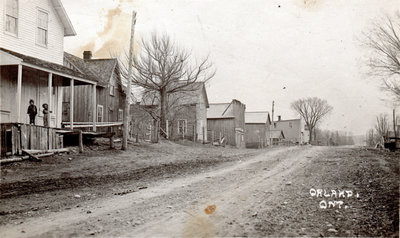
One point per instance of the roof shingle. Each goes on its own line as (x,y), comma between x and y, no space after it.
(256,117)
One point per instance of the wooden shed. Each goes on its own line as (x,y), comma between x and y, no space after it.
(227,120)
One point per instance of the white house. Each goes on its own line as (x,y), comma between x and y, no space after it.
(31,59)
(294,130)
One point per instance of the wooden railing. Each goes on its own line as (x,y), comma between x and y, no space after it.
(16,137)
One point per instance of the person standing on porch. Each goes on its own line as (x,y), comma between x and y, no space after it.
(46,115)
(32,112)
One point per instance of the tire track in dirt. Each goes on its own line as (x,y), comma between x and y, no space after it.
(237,204)
(168,204)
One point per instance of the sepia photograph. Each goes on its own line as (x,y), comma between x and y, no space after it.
(199,118)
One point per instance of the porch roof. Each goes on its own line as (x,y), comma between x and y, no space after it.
(276,134)
(9,57)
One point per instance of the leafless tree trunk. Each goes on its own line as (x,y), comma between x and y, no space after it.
(162,68)
(382,127)
(371,138)
(312,110)
(384,41)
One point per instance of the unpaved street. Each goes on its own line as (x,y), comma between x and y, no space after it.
(255,193)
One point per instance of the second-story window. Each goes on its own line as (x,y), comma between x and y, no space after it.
(42,28)
(12,16)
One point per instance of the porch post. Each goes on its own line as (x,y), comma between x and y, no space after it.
(71,104)
(94,111)
(19,93)
(49,89)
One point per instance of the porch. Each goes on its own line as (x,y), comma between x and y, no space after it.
(24,78)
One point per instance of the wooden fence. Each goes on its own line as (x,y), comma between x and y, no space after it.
(14,137)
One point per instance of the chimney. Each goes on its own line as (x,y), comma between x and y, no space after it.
(87,55)
(279,118)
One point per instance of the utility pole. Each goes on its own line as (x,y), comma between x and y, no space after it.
(272,123)
(273,105)
(129,84)
(394,125)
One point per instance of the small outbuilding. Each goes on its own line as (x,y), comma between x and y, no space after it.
(257,129)
(276,137)
(226,121)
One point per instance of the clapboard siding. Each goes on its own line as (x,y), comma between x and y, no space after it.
(201,116)
(25,41)
(34,86)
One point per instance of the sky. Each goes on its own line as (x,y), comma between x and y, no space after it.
(263,50)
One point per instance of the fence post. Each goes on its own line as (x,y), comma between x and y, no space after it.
(80,142)
(194,133)
(167,129)
(204,135)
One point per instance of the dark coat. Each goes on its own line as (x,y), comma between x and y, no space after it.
(32,110)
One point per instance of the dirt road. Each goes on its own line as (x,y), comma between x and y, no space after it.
(269,193)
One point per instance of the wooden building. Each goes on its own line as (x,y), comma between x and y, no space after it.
(295,130)
(227,120)
(31,61)
(105,106)
(276,137)
(257,127)
(187,114)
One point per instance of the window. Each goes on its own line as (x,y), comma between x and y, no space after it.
(112,90)
(290,125)
(42,24)
(12,16)
(100,113)
(120,114)
(182,127)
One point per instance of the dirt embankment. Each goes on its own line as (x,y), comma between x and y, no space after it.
(373,174)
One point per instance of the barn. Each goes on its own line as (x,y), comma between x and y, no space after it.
(227,120)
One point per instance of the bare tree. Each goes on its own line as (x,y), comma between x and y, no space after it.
(312,110)
(163,68)
(382,127)
(384,41)
(371,138)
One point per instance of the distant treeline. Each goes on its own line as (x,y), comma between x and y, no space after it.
(333,138)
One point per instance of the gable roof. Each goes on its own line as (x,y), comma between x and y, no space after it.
(183,98)
(62,14)
(276,134)
(220,110)
(288,120)
(257,117)
(102,69)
